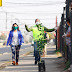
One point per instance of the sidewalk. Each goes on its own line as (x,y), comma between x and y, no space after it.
(26,63)
(53,63)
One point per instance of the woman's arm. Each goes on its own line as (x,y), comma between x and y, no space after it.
(8,39)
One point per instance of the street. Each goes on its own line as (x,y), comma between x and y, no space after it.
(6,54)
(8,49)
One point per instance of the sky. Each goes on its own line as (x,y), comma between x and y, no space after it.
(26,11)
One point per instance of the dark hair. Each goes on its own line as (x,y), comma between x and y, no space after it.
(13,26)
(68,20)
(35,20)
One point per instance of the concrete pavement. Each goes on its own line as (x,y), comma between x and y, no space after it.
(26,63)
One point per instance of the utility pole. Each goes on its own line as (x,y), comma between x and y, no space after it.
(56,33)
(61,34)
(6,18)
(6,21)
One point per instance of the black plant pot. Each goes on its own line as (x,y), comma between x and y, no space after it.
(41,66)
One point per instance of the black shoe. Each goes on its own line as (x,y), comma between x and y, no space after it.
(35,62)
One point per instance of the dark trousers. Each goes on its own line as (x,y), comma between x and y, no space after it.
(36,53)
(37,56)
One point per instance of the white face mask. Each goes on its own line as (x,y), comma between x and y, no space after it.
(37,23)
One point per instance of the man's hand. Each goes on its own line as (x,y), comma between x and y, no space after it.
(25,25)
(28,29)
(55,28)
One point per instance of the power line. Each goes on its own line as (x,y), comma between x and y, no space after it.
(32,13)
(30,19)
(39,12)
(36,4)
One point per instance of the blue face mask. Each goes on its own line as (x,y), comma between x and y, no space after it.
(15,28)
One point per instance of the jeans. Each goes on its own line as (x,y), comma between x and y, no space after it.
(15,50)
(35,47)
(36,53)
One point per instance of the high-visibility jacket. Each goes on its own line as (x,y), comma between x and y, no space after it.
(38,33)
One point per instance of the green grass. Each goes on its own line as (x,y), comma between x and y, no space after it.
(60,57)
(57,50)
(67,65)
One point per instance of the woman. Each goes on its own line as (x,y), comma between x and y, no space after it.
(68,43)
(15,40)
(67,35)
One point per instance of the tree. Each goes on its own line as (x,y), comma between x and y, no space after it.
(2,37)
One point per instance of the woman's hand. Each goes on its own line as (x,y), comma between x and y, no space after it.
(64,35)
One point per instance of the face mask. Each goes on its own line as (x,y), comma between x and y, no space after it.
(37,23)
(15,28)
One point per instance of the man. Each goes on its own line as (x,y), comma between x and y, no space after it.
(38,34)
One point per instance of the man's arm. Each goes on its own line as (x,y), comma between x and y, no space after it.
(28,29)
(48,30)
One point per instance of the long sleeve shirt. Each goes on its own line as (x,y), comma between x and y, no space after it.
(45,29)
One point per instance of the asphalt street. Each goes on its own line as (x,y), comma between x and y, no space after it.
(6,55)
(8,49)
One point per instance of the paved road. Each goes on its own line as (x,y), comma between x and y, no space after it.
(8,49)
(7,55)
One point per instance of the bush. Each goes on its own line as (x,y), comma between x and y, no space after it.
(2,37)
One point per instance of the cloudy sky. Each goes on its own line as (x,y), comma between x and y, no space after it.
(26,11)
